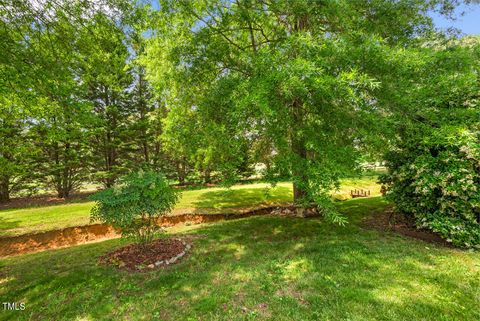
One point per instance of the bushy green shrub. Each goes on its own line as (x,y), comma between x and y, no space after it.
(436,180)
(135,203)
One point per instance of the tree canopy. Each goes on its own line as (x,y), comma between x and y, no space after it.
(212,89)
(317,81)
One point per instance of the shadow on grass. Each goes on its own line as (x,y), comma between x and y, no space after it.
(274,268)
(43,201)
(231,198)
(6,225)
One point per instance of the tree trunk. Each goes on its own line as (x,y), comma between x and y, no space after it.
(57,174)
(206,176)
(145,151)
(4,190)
(181,179)
(62,193)
(298,141)
(109,159)
(299,175)
(299,193)
(63,183)
(66,172)
(300,151)
(181,172)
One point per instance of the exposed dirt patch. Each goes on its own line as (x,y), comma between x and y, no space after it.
(55,239)
(394,222)
(135,257)
(70,236)
(291,291)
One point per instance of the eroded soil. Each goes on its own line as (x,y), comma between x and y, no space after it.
(71,236)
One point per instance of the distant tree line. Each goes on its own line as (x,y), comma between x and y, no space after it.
(75,104)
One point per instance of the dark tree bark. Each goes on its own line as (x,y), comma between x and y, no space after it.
(300,152)
(64,184)
(299,148)
(298,171)
(206,176)
(4,189)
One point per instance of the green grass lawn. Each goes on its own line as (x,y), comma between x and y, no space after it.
(259,268)
(209,200)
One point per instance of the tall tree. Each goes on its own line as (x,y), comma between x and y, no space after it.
(146,109)
(306,76)
(41,38)
(16,148)
(103,72)
(43,63)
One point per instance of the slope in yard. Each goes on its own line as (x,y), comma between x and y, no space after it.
(208,200)
(264,268)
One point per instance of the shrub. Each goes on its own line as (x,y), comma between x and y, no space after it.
(436,180)
(134,204)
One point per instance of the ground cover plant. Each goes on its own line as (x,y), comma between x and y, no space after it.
(260,268)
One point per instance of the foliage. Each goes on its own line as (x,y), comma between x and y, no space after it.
(206,90)
(302,79)
(434,165)
(83,110)
(437,182)
(135,203)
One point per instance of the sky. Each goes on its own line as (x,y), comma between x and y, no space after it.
(468,24)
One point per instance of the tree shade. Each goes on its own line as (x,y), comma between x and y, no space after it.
(313,82)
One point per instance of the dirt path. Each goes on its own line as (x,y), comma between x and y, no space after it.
(70,236)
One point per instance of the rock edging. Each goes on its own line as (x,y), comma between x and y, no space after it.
(173,259)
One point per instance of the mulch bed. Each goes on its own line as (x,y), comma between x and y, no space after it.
(389,221)
(134,257)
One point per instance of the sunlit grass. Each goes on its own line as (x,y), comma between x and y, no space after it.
(207,200)
(260,268)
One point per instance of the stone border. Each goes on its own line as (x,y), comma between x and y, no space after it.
(173,259)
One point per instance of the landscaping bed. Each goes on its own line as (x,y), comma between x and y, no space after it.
(136,257)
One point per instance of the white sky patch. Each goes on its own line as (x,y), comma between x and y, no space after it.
(43,11)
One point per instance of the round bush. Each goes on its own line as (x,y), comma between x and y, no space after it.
(135,203)
(437,182)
